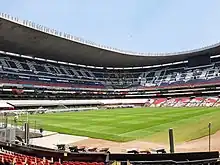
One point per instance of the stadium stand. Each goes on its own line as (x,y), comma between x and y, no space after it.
(34,78)
(32,71)
(42,156)
(22,77)
(20,159)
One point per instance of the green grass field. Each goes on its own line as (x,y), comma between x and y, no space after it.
(149,124)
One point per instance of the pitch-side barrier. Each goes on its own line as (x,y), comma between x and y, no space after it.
(44,110)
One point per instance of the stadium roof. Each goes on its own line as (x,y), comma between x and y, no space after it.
(27,38)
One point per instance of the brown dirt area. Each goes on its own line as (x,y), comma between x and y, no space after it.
(191,146)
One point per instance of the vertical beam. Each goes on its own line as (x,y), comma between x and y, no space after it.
(171,140)
(26,127)
(6,121)
(210,125)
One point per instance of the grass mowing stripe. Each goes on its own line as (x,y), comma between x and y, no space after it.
(130,124)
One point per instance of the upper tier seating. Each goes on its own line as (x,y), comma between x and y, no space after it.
(46,71)
(183,76)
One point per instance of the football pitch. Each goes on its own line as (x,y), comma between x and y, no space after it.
(150,124)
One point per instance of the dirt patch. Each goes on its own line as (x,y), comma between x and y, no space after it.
(201,144)
(116,146)
(192,146)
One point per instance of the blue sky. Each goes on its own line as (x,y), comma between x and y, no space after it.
(135,25)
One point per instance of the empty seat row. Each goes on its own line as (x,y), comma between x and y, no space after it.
(19,159)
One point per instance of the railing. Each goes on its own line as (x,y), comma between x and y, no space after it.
(171,162)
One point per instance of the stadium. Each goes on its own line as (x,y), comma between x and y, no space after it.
(65,100)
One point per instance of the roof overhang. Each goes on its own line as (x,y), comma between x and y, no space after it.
(27,38)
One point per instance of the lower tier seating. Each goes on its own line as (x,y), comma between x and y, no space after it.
(184,102)
(9,158)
